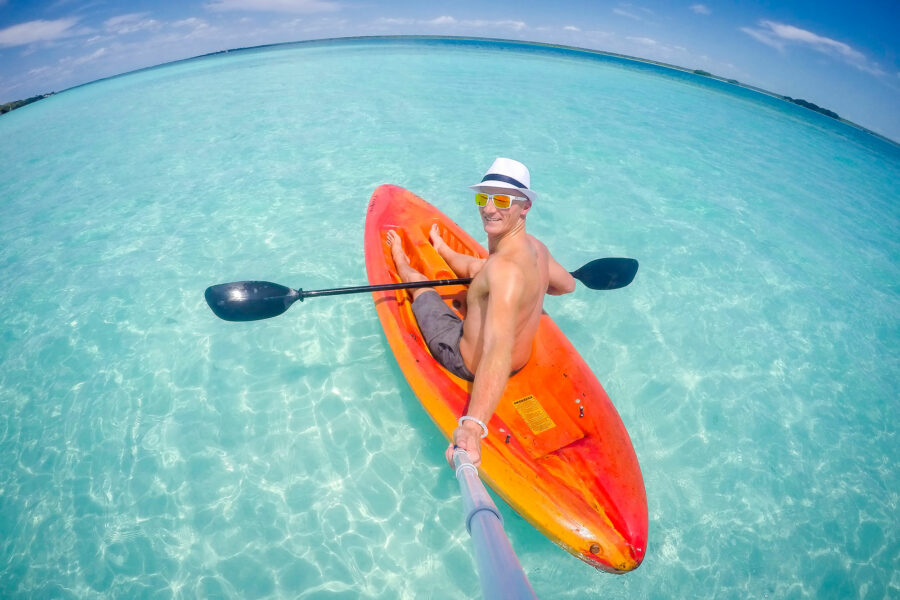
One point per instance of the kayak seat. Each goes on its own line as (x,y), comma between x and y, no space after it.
(546,419)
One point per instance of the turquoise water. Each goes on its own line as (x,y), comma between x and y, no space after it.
(148,449)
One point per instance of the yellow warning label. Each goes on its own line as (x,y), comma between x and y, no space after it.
(534,414)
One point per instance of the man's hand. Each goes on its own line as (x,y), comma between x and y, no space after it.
(468,437)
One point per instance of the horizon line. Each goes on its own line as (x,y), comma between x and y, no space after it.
(573,49)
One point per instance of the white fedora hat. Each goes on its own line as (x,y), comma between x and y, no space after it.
(510,174)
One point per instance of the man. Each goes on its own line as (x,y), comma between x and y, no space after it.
(504,300)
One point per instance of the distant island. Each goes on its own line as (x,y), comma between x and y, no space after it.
(812,106)
(798,101)
(5,108)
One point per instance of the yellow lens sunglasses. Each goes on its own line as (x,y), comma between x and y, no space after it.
(501,201)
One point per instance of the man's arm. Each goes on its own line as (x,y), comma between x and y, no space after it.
(461,264)
(493,369)
(561,281)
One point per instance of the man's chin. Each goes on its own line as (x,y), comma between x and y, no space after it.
(490,225)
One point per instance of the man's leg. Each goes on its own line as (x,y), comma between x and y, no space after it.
(401,261)
(462,264)
(440,326)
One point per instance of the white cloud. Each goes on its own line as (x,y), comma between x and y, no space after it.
(444,20)
(701,9)
(823,44)
(514,25)
(90,57)
(624,13)
(764,37)
(643,40)
(631,11)
(36,31)
(281,6)
(571,28)
(394,21)
(193,22)
(778,35)
(67,62)
(130,23)
(452,23)
(114,22)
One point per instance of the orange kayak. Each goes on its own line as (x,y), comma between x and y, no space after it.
(557,451)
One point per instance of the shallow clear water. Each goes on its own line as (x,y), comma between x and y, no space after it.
(149,449)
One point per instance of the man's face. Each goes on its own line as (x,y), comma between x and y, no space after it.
(497,221)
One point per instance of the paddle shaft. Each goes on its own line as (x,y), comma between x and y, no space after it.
(382,287)
(603,273)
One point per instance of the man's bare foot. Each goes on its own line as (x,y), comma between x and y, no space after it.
(401,260)
(395,243)
(436,240)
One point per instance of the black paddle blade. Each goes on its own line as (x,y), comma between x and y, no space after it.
(607,273)
(249,300)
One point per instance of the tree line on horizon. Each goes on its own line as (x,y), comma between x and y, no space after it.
(5,108)
(798,101)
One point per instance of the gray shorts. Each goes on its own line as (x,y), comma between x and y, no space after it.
(442,329)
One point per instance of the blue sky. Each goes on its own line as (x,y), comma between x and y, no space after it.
(840,55)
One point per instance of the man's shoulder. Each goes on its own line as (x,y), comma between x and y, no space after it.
(537,244)
(499,264)
(502,270)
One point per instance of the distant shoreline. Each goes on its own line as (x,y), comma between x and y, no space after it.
(5,108)
(10,106)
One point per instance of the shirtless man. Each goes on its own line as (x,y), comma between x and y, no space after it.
(504,300)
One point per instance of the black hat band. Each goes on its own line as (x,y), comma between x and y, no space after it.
(504,179)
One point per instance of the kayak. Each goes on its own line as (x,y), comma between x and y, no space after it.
(557,452)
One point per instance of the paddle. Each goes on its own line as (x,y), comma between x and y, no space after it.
(254,300)
(499,570)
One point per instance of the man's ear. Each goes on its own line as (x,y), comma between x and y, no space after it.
(527,206)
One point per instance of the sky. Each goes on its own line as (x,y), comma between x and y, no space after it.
(839,55)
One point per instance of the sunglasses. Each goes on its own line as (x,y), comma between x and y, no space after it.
(501,201)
